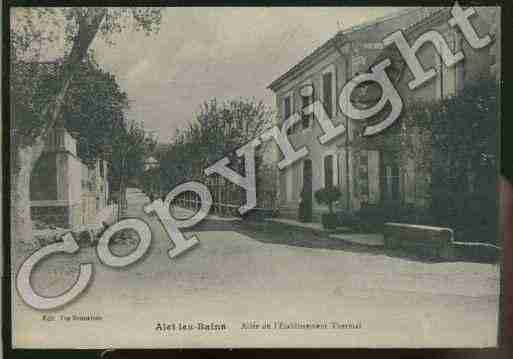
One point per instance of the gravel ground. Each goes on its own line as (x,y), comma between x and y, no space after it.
(239,274)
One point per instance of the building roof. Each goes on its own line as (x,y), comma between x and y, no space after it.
(442,14)
(344,36)
(392,53)
(371,93)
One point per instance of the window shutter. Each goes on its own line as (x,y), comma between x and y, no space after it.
(286,108)
(327,82)
(373,174)
(328,171)
(283,187)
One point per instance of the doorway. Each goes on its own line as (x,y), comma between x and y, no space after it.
(305,207)
(390,192)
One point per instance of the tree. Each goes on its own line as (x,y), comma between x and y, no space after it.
(94,111)
(130,145)
(36,108)
(218,130)
(456,140)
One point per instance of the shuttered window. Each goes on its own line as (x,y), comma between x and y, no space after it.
(287,112)
(287,108)
(364,176)
(305,118)
(446,83)
(283,187)
(327,94)
(368,179)
(328,171)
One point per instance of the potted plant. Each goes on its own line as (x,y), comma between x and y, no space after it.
(328,196)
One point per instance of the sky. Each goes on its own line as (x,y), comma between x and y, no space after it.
(202,53)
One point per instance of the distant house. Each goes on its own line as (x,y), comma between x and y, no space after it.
(371,175)
(65,191)
(150,163)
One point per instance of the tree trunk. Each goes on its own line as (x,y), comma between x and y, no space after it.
(24,161)
(21,220)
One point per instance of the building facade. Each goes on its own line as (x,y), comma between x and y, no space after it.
(413,180)
(374,174)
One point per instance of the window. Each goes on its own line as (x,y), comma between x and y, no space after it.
(447,76)
(364,176)
(327,95)
(391,182)
(305,119)
(409,181)
(364,188)
(306,92)
(287,111)
(328,90)
(395,182)
(364,159)
(289,183)
(287,107)
(283,187)
(101,168)
(294,128)
(328,171)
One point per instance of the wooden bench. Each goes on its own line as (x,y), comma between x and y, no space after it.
(424,240)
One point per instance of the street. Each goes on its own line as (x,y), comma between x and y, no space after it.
(235,275)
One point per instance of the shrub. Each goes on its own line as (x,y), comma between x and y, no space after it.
(373,217)
(328,196)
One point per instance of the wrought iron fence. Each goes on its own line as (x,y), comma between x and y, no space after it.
(228,197)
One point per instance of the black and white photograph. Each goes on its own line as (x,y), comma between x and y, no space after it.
(254,177)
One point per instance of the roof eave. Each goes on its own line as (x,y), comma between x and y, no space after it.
(345,34)
(391,49)
(301,66)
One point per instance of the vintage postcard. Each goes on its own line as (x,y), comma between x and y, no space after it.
(254,177)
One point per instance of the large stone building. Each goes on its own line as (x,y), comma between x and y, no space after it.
(414,181)
(372,174)
(65,191)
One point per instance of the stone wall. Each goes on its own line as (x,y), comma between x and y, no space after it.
(55,215)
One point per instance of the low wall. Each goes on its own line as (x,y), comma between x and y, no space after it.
(424,240)
(291,211)
(56,215)
(477,252)
(66,215)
